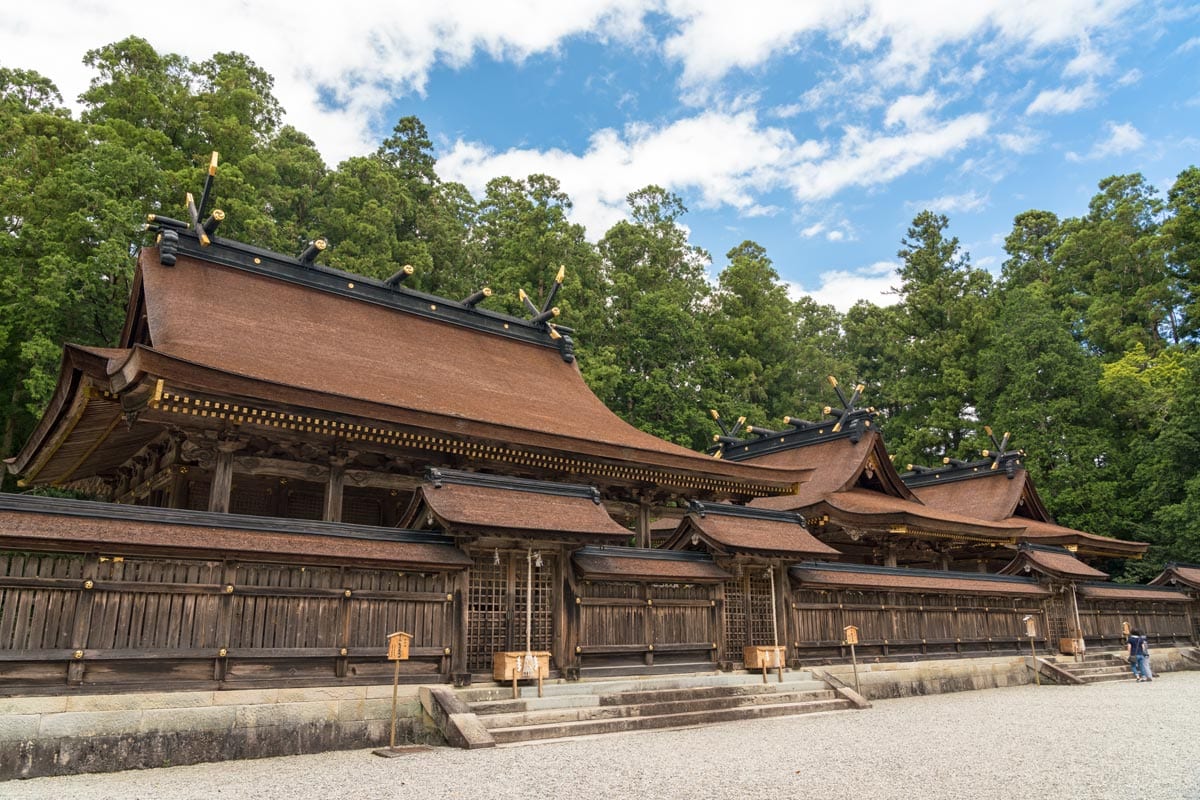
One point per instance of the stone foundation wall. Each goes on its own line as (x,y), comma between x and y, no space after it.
(41,736)
(878,681)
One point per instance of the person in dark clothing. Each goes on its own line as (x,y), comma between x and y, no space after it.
(1139,655)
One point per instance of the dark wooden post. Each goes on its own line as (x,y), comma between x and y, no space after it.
(783,604)
(83,618)
(224,621)
(889,556)
(648,623)
(332,511)
(222,481)
(459,623)
(558,620)
(643,524)
(721,653)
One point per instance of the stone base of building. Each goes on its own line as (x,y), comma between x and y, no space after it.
(63,735)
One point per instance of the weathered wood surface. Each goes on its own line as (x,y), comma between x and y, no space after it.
(119,621)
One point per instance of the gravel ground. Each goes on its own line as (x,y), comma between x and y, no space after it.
(1109,740)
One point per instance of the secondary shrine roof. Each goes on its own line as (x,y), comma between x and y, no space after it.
(1057,562)
(464,502)
(1179,574)
(854,576)
(1120,591)
(52,523)
(738,529)
(626,563)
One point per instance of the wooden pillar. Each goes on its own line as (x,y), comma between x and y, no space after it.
(179,487)
(889,556)
(944,562)
(83,618)
(222,481)
(783,606)
(459,623)
(648,622)
(643,524)
(333,491)
(722,651)
(558,620)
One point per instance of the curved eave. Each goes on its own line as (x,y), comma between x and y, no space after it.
(181,377)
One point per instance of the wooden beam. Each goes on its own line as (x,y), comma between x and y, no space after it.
(332,511)
(222,482)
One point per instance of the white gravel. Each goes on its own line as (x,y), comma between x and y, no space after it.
(1111,740)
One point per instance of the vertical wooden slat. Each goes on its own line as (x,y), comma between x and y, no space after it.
(83,619)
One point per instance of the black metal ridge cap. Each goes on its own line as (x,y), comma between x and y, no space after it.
(208,519)
(1178,564)
(702,509)
(259,261)
(1057,549)
(1137,587)
(640,552)
(948,473)
(830,566)
(437,476)
(799,437)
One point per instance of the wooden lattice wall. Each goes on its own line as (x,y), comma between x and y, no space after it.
(86,620)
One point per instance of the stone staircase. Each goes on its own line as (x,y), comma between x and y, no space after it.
(1096,667)
(591,707)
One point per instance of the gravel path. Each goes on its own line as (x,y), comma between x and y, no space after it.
(1112,740)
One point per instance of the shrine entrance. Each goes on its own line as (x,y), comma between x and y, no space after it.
(498,602)
(747,617)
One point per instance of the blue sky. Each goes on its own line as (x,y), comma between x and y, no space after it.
(816,129)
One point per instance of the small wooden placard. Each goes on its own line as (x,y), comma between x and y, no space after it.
(851,634)
(398,643)
(763,656)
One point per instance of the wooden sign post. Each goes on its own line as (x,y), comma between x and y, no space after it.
(1031,632)
(398,644)
(851,633)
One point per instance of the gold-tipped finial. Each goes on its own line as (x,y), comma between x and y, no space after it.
(212,163)
(714,413)
(832,380)
(562,274)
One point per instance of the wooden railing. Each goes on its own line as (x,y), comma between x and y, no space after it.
(74,619)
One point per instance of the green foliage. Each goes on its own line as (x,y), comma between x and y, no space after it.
(1083,349)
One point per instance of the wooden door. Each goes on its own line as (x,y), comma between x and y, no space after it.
(497,603)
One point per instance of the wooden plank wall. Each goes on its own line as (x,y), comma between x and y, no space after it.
(896,623)
(1165,623)
(622,622)
(81,620)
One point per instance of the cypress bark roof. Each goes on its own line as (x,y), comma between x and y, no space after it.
(1054,561)
(854,576)
(734,529)
(54,523)
(464,502)
(1179,574)
(1120,591)
(234,322)
(626,563)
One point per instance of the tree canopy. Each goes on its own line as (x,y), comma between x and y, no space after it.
(1084,345)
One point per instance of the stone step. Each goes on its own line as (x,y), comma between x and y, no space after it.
(494,722)
(701,692)
(528,689)
(634,670)
(527,733)
(1117,669)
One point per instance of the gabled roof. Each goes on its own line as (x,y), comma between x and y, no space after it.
(229,326)
(725,529)
(893,579)
(54,523)
(839,462)
(1121,591)
(865,509)
(1179,575)
(630,564)
(1007,494)
(472,503)
(1056,562)
(978,490)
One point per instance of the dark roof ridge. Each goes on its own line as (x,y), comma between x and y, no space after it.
(1138,586)
(438,476)
(727,509)
(237,255)
(641,552)
(961,472)
(830,566)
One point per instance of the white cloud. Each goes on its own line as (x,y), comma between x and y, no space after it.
(966,202)
(1088,62)
(1021,142)
(1063,101)
(910,110)
(844,287)
(1190,44)
(362,53)
(1129,78)
(1122,138)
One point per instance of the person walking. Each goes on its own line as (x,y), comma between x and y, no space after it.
(1138,647)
